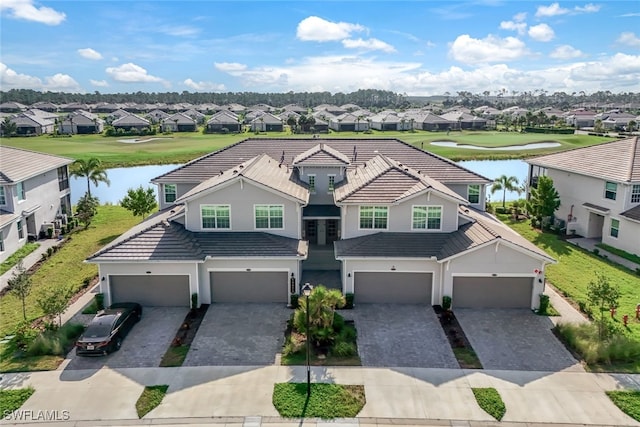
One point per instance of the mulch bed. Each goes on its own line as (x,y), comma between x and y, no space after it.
(190,325)
(453,331)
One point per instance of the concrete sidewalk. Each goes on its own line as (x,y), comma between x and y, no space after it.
(394,395)
(30,260)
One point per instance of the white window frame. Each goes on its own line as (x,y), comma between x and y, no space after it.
(373,217)
(615,192)
(617,228)
(268,206)
(20,230)
(635,193)
(332,183)
(164,192)
(215,217)
(312,183)
(469,193)
(426,218)
(20,193)
(3,195)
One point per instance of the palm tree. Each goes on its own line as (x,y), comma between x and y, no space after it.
(9,127)
(91,169)
(505,183)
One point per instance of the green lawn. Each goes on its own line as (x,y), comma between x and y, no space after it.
(150,398)
(490,401)
(627,401)
(11,400)
(181,147)
(66,268)
(325,400)
(577,267)
(17,256)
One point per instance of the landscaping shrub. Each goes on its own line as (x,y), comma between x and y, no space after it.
(55,343)
(294,301)
(344,349)
(584,339)
(490,401)
(194,301)
(99,301)
(446,302)
(349,297)
(544,304)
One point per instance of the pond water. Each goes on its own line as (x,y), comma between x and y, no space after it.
(531,146)
(123,179)
(493,169)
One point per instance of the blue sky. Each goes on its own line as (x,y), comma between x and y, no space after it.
(412,47)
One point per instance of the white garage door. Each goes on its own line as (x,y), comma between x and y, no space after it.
(492,292)
(393,287)
(151,290)
(249,286)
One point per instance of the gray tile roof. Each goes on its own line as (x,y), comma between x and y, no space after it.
(321,155)
(633,213)
(482,230)
(160,239)
(595,207)
(616,161)
(7,217)
(262,170)
(436,167)
(384,180)
(131,120)
(18,164)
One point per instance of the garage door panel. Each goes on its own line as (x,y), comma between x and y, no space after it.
(249,286)
(150,290)
(492,292)
(396,287)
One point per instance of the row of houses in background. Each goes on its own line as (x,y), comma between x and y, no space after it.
(45,118)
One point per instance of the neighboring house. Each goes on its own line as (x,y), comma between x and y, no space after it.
(131,121)
(224,121)
(28,125)
(195,115)
(156,116)
(46,106)
(12,107)
(462,120)
(179,122)
(599,188)
(81,122)
(431,122)
(387,221)
(266,122)
(348,122)
(34,194)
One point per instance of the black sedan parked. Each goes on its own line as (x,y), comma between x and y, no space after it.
(107,330)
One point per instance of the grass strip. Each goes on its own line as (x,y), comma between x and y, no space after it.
(150,398)
(18,255)
(325,401)
(174,356)
(628,402)
(467,358)
(623,254)
(490,401)
(12,400)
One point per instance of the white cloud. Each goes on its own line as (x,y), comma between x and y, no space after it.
(10,79)
(99,83)
(89,53)
(204,86)
(630,39)
(553,9)
(369,44)
(314,28)
(131,73)
(179,30)
(24,9)
(520,27)
(229,67)
(468,50)
(541,33)
(566,51)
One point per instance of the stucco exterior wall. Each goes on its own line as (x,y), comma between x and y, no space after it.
(400,218)
(322,195)
(628,234)
(463,191)
(181,190)
(242,198)
(11,241)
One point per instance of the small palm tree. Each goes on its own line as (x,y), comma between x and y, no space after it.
(91,169)
(505,183)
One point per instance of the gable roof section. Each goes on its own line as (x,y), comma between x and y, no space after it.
(321,155)
(130,120)
(25,164)
(384,180)
(616,161)
(262,170)
(633,213)
(438,168)
(250,244)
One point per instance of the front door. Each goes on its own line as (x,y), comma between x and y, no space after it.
(311,231)
(332,230)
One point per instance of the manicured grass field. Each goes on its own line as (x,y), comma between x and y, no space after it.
(11,400)
(325,401)
(627,401)
(490,401)
(65,268)
(150,398)
(182,147)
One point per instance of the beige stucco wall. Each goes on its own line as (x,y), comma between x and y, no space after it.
(628,234)
(155,268)
(181,190)
(321,196)
(400,217)
(242,197)
(463,191)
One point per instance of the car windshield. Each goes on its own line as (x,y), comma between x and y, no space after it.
(100,328)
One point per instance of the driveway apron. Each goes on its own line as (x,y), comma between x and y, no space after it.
(239,335)
(402,335)
(514,339)
(145,344)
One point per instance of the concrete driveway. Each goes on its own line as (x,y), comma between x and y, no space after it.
(400,335)
(239,335)
(145,344)
(515,339)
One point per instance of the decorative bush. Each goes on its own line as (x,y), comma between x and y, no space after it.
(294,301)
(50,232)
(544,304)
(446,302)
(349,298)
(100,301)
(194,301)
